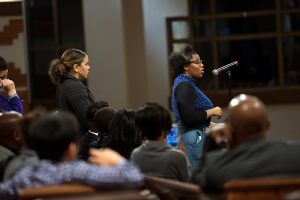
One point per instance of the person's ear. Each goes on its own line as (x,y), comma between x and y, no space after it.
(231,136)
(17,136)
(71,152)
(73,149)
(185,68)
(164,133)
(267,124)
(75,67)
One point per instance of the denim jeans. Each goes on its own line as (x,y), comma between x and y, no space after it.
(193,143)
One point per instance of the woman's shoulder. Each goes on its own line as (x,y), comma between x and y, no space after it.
(71,83)
(184,86)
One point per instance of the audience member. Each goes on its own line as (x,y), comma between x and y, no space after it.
(69,73)
(123,134)
(27,156)
(192,109)
(154,157)
(103,119)
(92,136)
(250,154)
(10,136)
(54,137)
(9,99)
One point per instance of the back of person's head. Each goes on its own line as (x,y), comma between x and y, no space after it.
(52,134)
(10,136)
(27,121)
(179,59)
(247,118)
(3,64)
(123,134)
(93,108)
(153,119)
(103,118)
(59,67)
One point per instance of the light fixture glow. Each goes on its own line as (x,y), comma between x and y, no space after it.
(7,1)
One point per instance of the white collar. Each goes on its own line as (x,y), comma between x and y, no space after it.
(95,133)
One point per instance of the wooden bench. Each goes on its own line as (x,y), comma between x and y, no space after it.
(261,188)
(78,191)
(168,189)
(165,189)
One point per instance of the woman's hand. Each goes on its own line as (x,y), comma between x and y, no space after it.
(9,86)
(216,111)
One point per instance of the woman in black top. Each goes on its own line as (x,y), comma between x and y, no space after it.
(72,94)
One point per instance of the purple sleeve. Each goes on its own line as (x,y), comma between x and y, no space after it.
(125,175)
(16,103)
(13,103)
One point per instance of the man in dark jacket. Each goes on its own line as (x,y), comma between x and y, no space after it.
(249,154)
(10,138)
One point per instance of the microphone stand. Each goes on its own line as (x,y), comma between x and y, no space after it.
(229,84)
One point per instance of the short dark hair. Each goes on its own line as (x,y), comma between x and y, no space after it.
(152,118)
(51,135)
(123,135)
(27,121)
(179,59)
(3,64)
(103,118)
(93,108)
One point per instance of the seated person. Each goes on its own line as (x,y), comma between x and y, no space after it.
(154,157)
(54,137)
(27,156)
(10,137)
(123,135)
(249,154)
(9,99)
(91,136)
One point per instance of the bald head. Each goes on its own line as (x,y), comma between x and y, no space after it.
(248,116)
(9,130)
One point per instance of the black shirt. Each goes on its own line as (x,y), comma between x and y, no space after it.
(185,96)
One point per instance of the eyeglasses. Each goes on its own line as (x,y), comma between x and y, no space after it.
(197,62)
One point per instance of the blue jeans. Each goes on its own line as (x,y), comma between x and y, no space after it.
(193,143)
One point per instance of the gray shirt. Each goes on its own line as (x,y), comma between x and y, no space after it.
(5,153)
(158,159)
(27,157)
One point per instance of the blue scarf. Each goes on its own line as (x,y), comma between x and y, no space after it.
(202,102)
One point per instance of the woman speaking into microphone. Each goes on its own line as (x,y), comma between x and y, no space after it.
(192,109)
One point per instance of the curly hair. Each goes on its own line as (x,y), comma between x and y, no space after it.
(59,67)
(181,58)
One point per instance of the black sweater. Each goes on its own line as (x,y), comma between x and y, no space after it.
(73,96)
(185,97)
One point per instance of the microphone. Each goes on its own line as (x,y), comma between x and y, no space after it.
(224,68)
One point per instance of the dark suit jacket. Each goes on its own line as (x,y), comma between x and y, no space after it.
(250,159)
